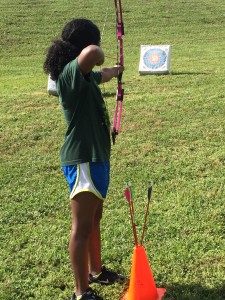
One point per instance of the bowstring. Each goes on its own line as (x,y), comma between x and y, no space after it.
(102,36)
(105,20)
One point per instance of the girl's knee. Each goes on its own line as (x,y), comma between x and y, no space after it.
(81,231)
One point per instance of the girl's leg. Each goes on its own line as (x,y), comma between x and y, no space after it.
(84,208)
(95,263)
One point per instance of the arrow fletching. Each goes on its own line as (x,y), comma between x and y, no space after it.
(128,194)
(132,193)
(150,191)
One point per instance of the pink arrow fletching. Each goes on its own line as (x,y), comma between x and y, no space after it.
(128,194)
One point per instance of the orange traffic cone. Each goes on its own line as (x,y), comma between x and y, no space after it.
(142,285)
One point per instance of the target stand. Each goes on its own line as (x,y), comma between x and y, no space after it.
(155,59)
(51,88)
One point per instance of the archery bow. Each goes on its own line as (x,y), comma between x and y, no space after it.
(120,90)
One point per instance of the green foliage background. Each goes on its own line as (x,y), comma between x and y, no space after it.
(172,133)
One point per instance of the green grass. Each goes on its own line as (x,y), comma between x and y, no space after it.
(173,130)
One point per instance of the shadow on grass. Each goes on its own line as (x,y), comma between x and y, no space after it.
(107,94)
(194,292)
(189,73)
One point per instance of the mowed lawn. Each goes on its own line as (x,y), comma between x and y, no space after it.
(173,133)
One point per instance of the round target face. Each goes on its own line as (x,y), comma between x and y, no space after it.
(155,58)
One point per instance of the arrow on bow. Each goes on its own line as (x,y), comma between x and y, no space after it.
(120,61)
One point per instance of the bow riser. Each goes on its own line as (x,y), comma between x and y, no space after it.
(120,30)
(120,93)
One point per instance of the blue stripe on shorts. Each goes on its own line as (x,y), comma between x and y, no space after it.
(100,176)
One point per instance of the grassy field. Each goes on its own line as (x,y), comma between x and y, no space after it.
(173,133)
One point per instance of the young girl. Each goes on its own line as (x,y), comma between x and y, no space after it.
(85,153)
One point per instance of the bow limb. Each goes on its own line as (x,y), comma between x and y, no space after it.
(120,58)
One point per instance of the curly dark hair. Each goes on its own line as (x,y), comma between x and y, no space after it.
(76,35)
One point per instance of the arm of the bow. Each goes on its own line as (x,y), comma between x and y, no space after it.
(120,58)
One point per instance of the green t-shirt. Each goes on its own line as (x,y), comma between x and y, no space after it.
(87,137)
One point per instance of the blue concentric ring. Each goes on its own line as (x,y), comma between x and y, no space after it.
(155,58)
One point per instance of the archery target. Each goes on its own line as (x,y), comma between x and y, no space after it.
(155,59)
(51,88)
